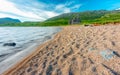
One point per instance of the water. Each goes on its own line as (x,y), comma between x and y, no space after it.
(23,37)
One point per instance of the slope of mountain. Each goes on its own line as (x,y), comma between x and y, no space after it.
(8,20)
(87,17)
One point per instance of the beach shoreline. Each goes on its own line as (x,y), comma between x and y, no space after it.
(74,51)
(23,37)
(25,53)
(12,60)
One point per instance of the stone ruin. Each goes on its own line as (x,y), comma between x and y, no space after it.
(74,20)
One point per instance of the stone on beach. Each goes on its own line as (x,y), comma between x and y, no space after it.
(9,44)
(107,54)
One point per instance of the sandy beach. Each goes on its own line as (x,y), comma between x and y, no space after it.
(76,50)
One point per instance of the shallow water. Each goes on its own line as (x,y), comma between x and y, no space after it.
(23,37)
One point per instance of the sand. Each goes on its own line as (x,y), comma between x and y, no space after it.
(75,51)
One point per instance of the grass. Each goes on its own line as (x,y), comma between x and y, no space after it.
(89,17)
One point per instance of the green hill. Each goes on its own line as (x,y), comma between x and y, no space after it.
(87,17)
(90,17)
(8,20)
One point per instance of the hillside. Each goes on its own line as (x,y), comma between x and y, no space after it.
(8,20)
(87,17)
(90,17)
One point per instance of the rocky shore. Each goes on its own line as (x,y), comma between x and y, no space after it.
(75,51)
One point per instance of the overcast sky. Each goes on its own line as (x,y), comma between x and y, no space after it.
(40,10)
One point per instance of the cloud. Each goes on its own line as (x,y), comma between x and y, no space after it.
(6,6)
(34,10)
(62,8)
(69,3)
(67,7)
(6,15)
(117,9)
(77,6)
(24,14)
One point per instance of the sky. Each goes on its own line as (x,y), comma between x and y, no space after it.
(40,10)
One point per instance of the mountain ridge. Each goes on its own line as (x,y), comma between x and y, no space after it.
(87,17)
(7,20)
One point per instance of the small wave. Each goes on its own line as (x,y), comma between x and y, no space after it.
(24,37)
(3,55)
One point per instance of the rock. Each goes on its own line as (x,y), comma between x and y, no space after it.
(9,44)
(1,42)
(86,25)
(107,54)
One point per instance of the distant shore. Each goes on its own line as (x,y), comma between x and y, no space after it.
(75,51)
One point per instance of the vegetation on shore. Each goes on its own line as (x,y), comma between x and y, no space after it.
(87,17)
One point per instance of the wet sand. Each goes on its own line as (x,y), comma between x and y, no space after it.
(75,51)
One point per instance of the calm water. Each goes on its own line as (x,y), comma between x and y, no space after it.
(23,37)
